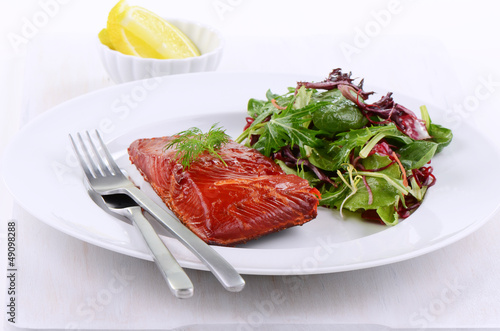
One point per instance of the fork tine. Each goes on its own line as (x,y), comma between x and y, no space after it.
(83,164)
(109,158)
(104,168)
(90,160)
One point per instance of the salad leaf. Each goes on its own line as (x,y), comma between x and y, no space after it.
(363,157)
(338,115)
(255,107)
(384,195)
(440,135)
(388,214)
(417,154)
(286,128)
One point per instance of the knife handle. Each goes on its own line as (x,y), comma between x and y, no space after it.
(179,283)
(222,270)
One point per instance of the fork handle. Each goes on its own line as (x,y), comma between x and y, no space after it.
(222,270)
(179,283)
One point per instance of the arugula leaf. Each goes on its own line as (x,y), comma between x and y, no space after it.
(299,171)
(333,196)
(270,95)
(255,107)
(329,158)
(348,141)
(286,128)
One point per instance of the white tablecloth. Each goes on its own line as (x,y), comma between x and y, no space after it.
(64,283)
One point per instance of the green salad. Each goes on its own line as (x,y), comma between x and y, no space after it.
(371,158)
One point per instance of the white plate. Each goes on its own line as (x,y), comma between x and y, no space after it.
(42,173)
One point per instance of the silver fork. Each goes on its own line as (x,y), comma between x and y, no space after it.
(124,207)
(105,177)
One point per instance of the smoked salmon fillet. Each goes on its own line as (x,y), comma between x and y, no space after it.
(228,204)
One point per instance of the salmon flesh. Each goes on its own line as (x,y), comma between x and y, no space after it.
(226,204)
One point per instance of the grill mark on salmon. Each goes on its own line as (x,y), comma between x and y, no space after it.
(226,205)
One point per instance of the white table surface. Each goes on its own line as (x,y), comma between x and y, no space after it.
(440,53)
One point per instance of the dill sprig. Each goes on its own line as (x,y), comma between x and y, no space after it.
(191,143)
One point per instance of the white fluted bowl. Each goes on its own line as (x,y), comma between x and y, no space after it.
(125,68)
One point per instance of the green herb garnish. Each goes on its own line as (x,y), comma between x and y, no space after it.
(191,143)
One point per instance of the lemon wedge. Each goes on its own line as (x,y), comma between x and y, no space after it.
(134,30)
(104,38)
(157,34)
(116,33)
